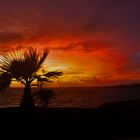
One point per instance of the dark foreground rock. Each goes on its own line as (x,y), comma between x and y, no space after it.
(110,121)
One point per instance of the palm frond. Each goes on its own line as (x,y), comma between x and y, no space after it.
(42,58)
(5,81)
(9,60)
(43,79)
(42,97)
(53,74)
(23,64)
(24,67)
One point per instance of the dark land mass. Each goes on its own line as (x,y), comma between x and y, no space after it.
(134,85)
(116,120)
(111,121)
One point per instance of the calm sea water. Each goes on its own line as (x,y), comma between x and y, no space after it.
(76,97)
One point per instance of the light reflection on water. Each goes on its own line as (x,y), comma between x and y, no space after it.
(75,97)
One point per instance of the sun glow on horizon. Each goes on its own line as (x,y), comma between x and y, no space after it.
(96,45)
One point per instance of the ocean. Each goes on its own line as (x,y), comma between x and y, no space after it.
(76,97)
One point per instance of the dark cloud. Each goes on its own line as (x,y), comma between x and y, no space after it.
(11,37)
(75,17)
(86,46)
(116,20)
(91,46)
(98,24)
(7,39)
(66,48)
(133,64)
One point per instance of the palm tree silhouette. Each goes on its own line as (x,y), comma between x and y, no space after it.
(23,67)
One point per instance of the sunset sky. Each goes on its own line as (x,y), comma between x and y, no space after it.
(94,42)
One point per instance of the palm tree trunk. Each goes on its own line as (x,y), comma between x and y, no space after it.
(27,102)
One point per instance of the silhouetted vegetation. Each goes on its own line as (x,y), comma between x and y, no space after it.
(42,97)
(24,67)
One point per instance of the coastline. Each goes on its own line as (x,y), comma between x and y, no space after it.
(112,120)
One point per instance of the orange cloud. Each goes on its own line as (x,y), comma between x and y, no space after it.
(93,42)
